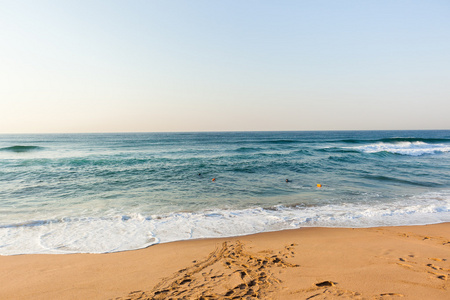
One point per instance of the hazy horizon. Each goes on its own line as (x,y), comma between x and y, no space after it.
(202,66)
(223,131)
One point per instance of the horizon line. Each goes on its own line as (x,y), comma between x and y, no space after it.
(219,131)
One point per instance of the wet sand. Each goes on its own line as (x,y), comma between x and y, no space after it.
(411,262)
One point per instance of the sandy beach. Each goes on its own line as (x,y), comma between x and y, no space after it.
(411,262)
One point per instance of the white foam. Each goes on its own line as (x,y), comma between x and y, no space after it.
(405,148)
(134,231)
(78,236)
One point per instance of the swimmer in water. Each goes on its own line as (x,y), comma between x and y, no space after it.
(287,180)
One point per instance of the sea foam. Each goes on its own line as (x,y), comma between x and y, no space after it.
(134,231)
(404,148)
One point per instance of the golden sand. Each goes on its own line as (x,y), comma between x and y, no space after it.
(411,262)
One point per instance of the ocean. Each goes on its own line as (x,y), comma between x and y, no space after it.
(99,193)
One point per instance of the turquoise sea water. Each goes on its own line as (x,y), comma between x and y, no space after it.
(94,193)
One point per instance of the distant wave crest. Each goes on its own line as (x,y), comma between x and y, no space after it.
(19,148)
(414,148)
(398,140)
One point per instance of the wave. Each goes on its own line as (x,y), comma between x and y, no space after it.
(415,148)
(279,141)
(338,150)
(401,181)
(302,152)
(20,149)
(396,140)
(344,159)
(121,232)
(412,140)
(247,149)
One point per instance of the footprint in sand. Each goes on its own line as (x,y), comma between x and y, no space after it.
(329,290)
(439,272)
(229,272)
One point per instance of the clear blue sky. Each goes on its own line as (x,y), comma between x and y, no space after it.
(115,66)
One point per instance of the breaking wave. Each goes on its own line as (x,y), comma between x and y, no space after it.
(413,148)
(133,231)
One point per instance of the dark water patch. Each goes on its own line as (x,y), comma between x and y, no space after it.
(337,150)
(244,169)
(384,154)
(267,156)
(280,141)
(302,152)
(247,149)
(344,159)
(301,168)
(398,180)
(104,161)
(21,149)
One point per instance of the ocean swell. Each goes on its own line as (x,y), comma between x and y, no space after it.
(20,149)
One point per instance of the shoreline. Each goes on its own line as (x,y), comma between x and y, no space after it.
(360,263)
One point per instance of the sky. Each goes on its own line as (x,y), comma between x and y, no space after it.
(162,66)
